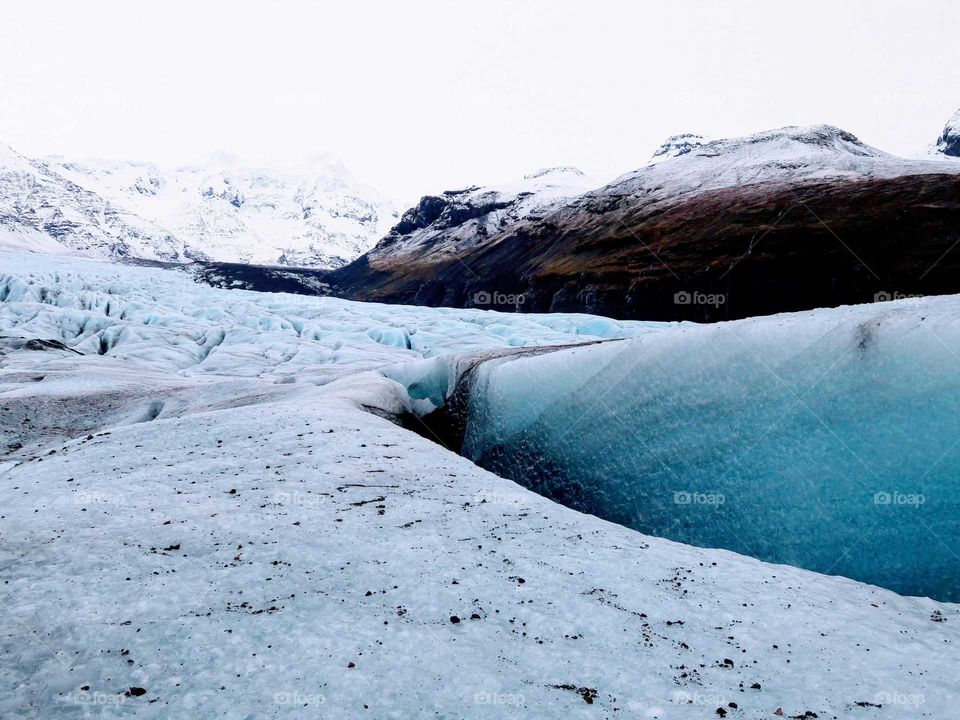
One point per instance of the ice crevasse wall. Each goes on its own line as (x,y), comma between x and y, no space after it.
(829,439)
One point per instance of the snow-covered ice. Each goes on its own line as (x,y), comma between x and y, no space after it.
(213,506)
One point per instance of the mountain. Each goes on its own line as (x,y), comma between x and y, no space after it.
(311,214)
(949,142)
(456,221)
(41,210)
(787,219)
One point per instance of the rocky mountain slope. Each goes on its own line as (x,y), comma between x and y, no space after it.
(42,211)
(787,219)
(440,227)
(949,142)
(313,214)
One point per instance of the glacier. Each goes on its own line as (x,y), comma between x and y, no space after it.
(828,440)
(211,508)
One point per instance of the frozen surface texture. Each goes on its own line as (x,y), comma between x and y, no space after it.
(211,516)
(828,440)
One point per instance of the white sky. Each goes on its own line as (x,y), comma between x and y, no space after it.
(418,97)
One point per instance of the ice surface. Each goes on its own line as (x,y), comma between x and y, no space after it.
(828,440)
(213,510)
(160,332)
(163,320)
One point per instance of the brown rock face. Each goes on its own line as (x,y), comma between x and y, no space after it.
(718,255)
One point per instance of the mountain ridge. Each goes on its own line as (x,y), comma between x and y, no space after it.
(312,213)
(821,201)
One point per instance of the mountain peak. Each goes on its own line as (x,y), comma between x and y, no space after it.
(10,158)
(677,145)
(818,135)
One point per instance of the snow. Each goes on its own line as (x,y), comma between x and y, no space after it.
(31,241)
(485,211)
(312,213)
(789,154)
(164,320)
(677,145)
(218,510)
(41,211)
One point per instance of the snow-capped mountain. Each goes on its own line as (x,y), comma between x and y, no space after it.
(762,213)
(458,220)
(43,211)
(785,155)
(949,141)
(310,214)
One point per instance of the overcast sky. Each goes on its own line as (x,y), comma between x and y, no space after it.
(422,96)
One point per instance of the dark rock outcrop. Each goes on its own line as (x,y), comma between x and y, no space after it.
(949,141)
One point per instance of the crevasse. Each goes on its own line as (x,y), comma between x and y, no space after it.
(828,440)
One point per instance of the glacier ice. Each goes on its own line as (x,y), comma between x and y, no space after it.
(215,510)
(829,440)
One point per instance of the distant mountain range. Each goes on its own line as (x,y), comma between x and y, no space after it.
(313,214)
